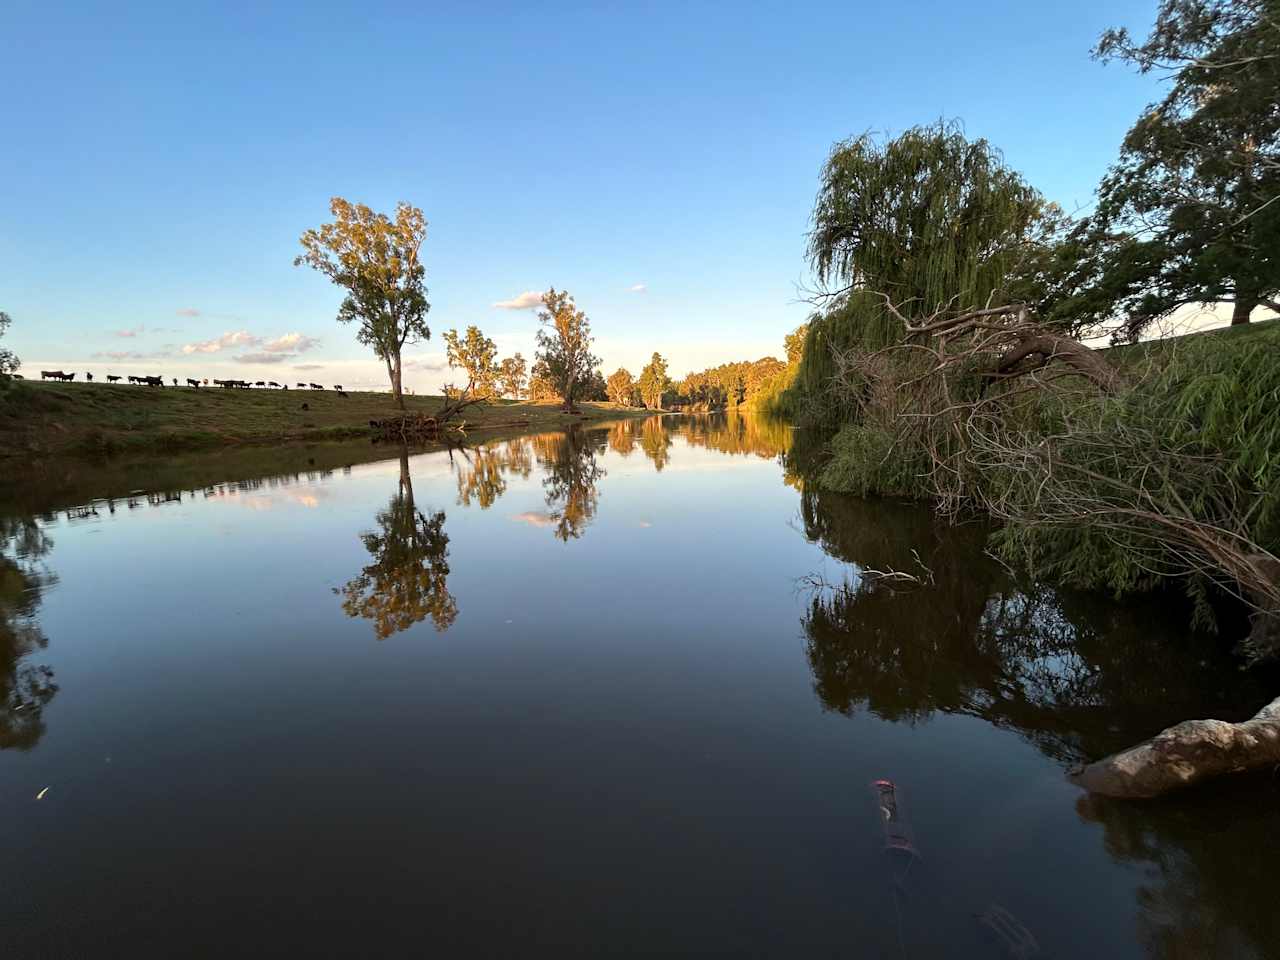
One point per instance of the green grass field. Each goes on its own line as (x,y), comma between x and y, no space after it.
(45,419)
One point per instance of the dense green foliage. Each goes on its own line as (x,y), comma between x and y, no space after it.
(727,385)
(1187,214)
(924,218)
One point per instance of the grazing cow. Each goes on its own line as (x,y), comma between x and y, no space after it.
(193,383)
(341,392)
(260,383)
(316,386)
(152,381)
(302,385)
(338,387)
(89,377)
(175,381)
(67,377)
(112,378)
(272,383)
(52,375)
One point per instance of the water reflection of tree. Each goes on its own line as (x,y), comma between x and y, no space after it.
(737,434)
(482,471)
(1207,862)
(407,581)
(572,474)
(622,437)
(1073,674)
(655,441)
(25,687)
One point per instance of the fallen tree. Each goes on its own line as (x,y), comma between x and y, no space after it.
(1099,476)
(1184,754)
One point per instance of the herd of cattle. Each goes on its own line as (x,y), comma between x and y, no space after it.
(159,382)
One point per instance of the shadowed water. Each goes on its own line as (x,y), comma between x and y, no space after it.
(620,690)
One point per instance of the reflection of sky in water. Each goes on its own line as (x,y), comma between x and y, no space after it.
(617,742)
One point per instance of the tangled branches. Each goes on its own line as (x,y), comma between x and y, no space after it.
(1081,461)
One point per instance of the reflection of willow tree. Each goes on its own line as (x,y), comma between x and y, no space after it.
(1073,674)
(482,472)
(571,476)
(1207,866)
(731,432)
(25,687)
(655,441)
(407,581)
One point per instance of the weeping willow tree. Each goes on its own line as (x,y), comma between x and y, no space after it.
(924,219)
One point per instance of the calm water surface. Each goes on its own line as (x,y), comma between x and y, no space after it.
(615,691)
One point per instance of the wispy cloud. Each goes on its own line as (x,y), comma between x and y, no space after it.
(637,288)
(238,338)
(187,312)
(130,355)
(131,332)
(529,300)
(308,366)
(263,357)
(426,366)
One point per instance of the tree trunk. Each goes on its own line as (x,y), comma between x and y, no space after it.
(1243,308)
(1185,754)
(395,382)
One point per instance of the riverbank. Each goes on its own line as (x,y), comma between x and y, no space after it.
(68,419)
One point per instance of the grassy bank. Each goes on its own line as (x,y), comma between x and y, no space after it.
(46,419)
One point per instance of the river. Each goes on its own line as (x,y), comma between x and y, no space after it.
(622,690)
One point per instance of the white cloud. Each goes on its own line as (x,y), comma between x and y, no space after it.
(187,312)
(238,338)
(637,288)
(529,300)
(291,343)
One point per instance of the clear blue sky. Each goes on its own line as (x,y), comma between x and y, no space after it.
(161,160)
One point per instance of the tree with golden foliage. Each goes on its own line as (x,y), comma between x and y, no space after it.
(375,260)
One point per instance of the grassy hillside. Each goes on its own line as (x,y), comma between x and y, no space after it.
(39,419)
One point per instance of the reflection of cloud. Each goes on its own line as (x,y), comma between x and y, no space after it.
(529,300)
(308,500)
(535,519)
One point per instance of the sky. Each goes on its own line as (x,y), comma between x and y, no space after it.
(658,160)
